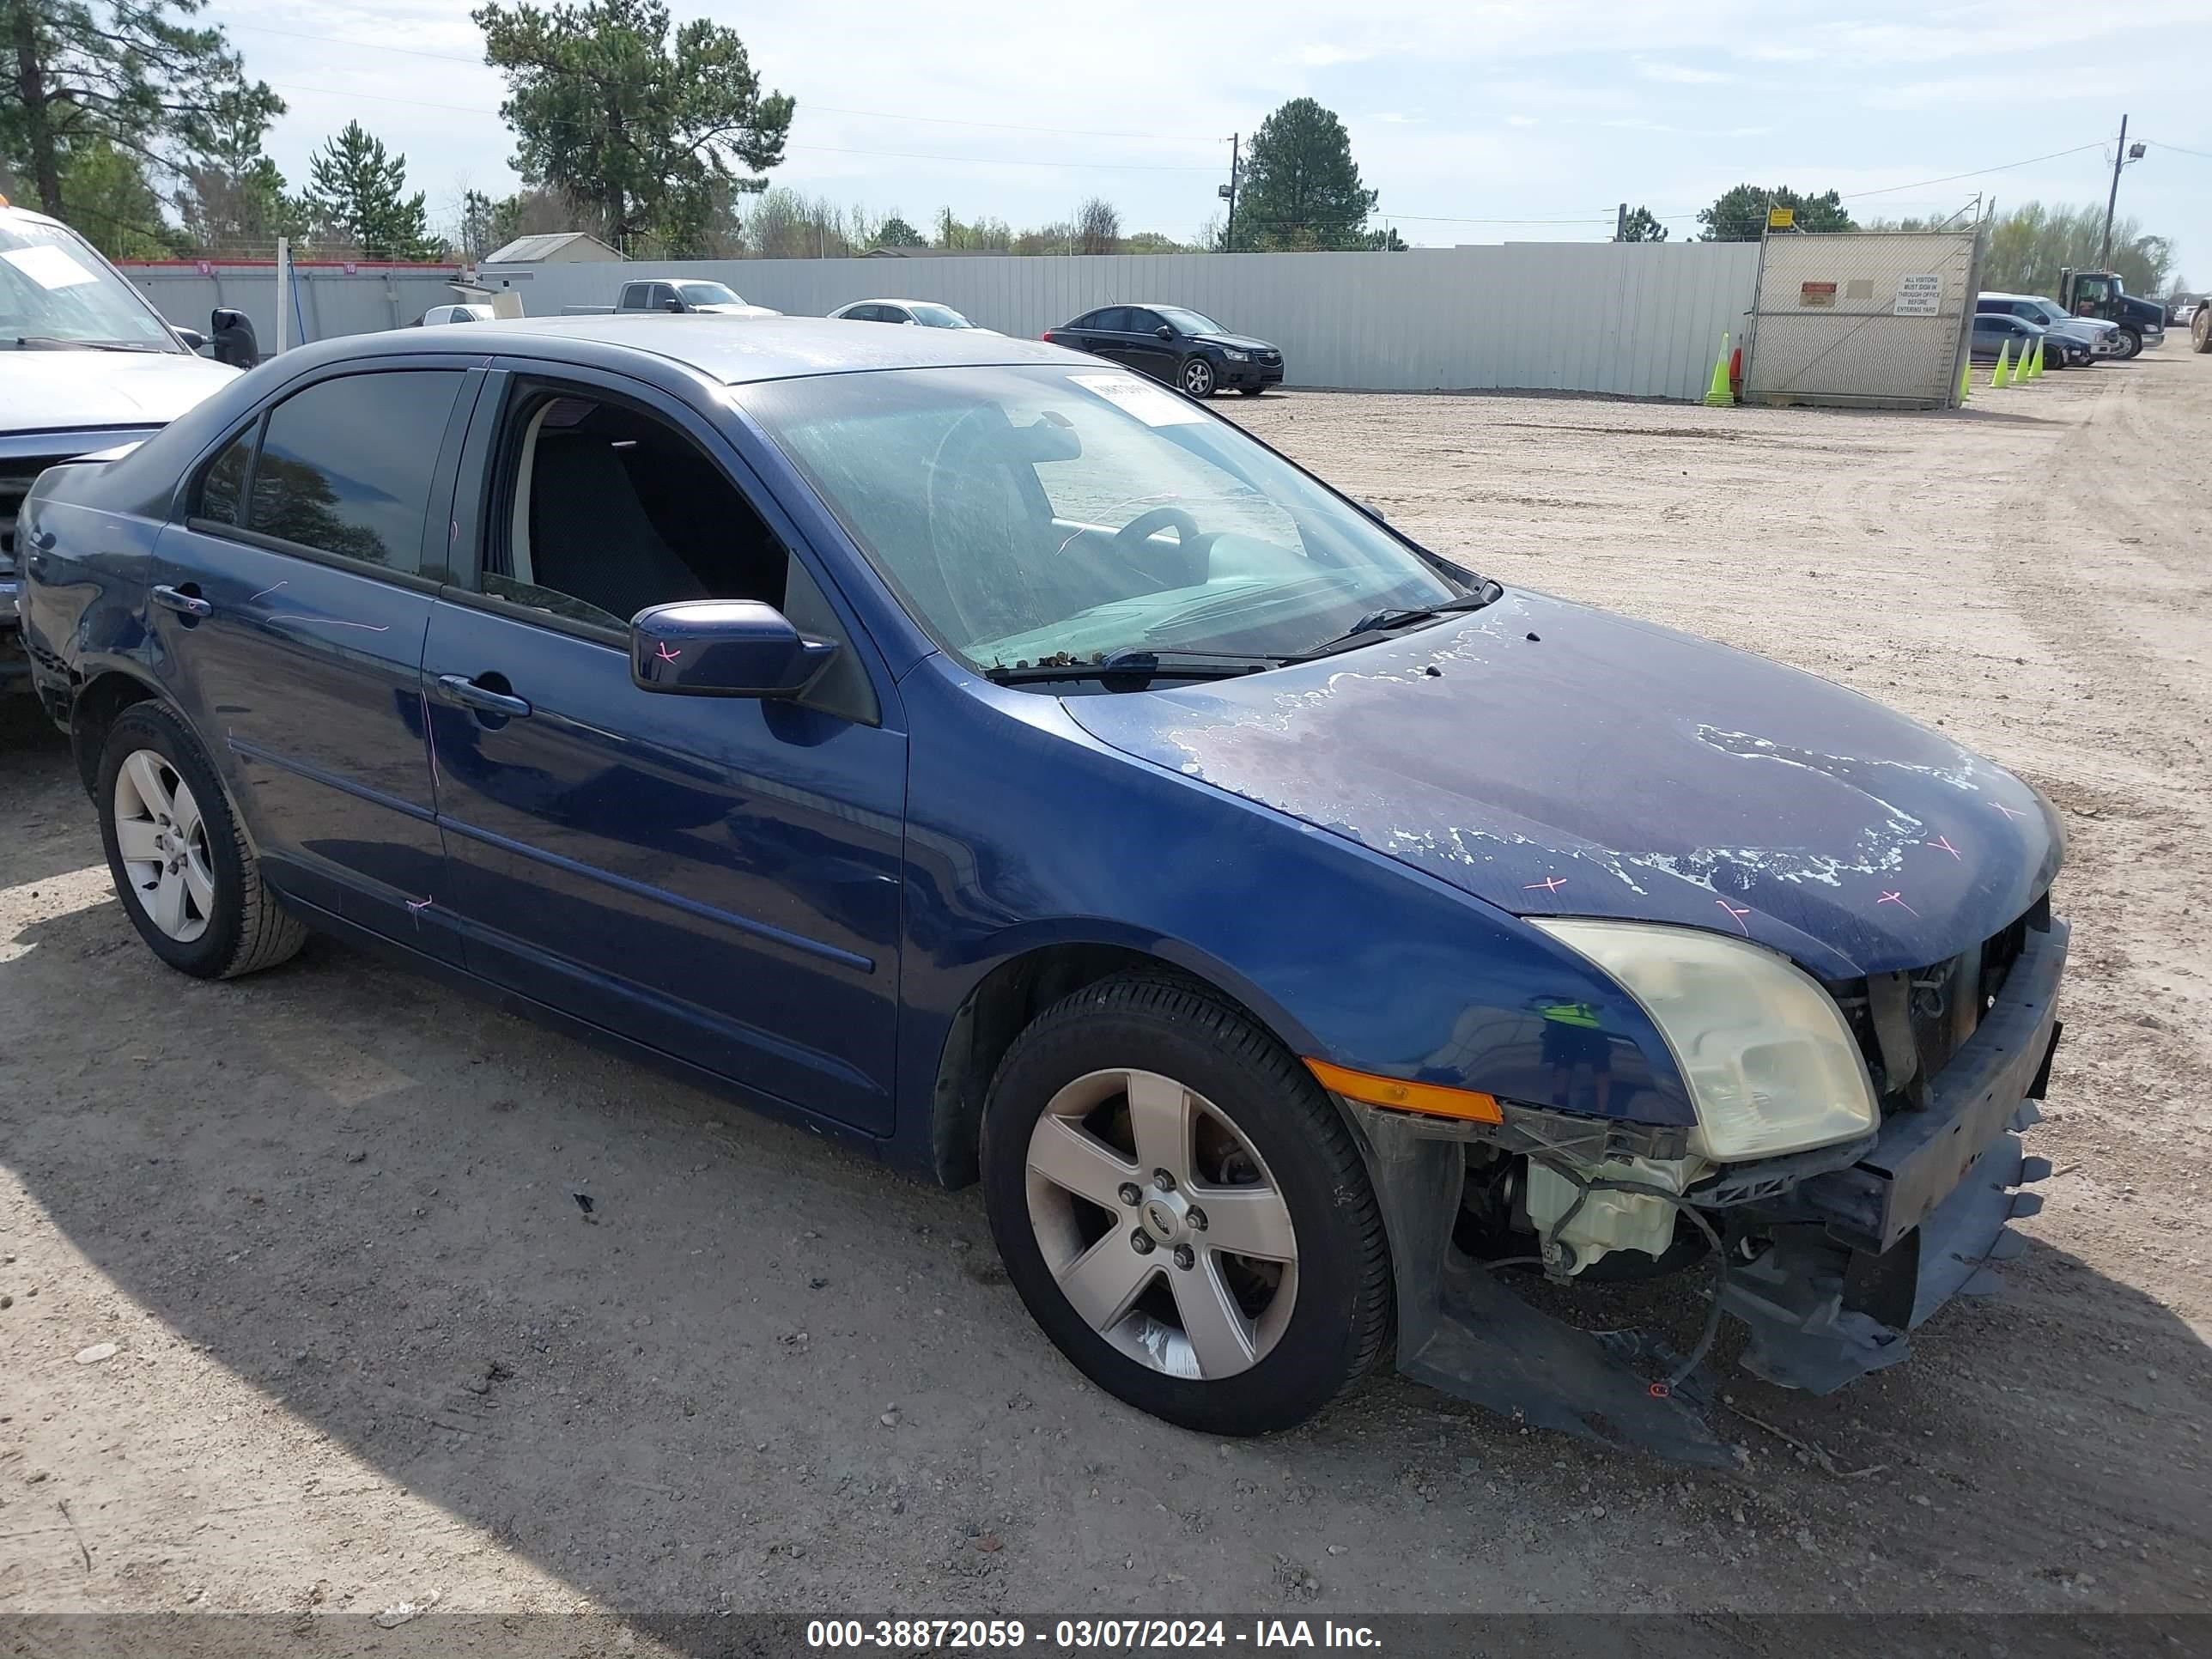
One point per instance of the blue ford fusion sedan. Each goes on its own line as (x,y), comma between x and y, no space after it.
(988,756)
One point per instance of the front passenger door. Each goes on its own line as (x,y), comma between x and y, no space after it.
(718,878)
(1145,351)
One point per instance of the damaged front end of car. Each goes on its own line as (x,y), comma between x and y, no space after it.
(1829,1256)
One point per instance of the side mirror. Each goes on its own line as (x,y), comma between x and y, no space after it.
(671,305)
(1165,331)
(723,648)
(193,339)
(1371,510)
(235,343)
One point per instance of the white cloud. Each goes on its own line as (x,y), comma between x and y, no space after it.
(1683,75)
(1324,56)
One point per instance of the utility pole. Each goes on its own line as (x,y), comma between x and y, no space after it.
(1229,191)
(1621,224)
(2111,201)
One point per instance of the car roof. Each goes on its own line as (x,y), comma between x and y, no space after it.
(737,350)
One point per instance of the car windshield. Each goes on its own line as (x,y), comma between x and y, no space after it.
(708,294)
(930,316)
(54,290)
(1188,322)
(1048,514)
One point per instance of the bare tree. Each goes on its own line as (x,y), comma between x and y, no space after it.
(1097,227)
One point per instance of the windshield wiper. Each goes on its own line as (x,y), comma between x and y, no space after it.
(1387,622)
(51,343)
(1135,665)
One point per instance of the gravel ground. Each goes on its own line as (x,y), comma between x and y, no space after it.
(297,1315)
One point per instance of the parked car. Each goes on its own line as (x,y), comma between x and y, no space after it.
(2095,337)
(85,364)
(1174,345)
(2182,312)
(679,296)
(2000,334)
(967,749)
(458,314)
(922,314)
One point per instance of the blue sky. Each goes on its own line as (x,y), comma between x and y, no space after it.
(1510,121)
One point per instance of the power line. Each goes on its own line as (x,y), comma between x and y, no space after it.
(804,107)
(830,149)
(2205,155)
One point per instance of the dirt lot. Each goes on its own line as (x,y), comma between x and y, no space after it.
(367,1349)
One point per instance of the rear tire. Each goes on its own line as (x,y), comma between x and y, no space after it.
(1071,1088)
(2200,330)
(187,878)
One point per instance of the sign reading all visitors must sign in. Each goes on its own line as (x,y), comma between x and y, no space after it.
(1919,297)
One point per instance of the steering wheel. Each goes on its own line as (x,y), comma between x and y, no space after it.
(1132,543)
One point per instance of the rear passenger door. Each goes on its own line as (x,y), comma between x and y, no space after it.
(1103,334)
(292,602)
(718,878)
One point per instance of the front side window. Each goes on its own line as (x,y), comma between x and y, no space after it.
(55,292)
(346,465)
(1023,513)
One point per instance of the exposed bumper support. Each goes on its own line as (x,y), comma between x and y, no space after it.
(1860,1255)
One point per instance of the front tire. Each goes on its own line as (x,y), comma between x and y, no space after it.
(187,878)
(1197,377)
(1183,1210)
(2130,345)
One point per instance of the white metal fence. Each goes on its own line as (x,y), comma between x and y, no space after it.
(327,300)
(1873,319)
(1636,320)
(1632,320)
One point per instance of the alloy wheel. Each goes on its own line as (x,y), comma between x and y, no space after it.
(163,840)
(1197,377)
(1161,1225)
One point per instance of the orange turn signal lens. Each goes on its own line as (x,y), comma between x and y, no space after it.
(1470,1105)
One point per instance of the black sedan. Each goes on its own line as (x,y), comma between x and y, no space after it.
(1182,347)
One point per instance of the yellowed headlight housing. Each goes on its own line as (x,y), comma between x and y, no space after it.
(1771,1066)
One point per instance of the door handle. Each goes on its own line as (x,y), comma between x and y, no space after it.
(463,690)
(188,604)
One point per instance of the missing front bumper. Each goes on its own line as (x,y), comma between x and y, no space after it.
(1855,1259)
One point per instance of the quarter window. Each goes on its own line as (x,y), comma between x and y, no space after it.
(346,466)
(222,490)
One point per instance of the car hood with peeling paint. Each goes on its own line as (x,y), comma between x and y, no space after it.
(1555,760)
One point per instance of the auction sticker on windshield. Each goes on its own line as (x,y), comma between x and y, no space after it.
(49,267)
(1149,403)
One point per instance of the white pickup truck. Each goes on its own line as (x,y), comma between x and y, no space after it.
(85,364)
(676,294)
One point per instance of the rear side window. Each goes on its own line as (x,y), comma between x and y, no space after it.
(222,491)
(346,466)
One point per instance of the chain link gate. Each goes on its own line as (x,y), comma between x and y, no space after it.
(1870,320)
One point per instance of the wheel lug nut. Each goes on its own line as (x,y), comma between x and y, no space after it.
(1164,1181)
(1141,1241)
(1130,1193)
(1183,1256)
(1197,1220)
